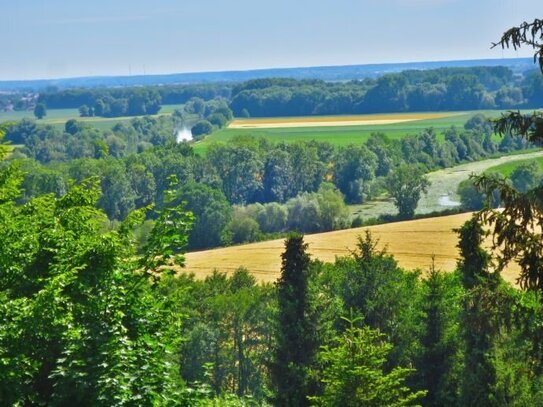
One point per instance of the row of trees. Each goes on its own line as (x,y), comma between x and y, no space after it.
(169,94)
(431,90)
(139,102)
(80,140)
(428,90)
(212,115)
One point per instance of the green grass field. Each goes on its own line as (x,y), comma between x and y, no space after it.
(342,135)
(507,168)
(58,117)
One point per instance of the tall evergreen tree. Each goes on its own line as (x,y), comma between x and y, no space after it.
(477,317)
(296,340)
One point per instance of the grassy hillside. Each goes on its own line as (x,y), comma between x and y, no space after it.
(507,168)
(413,243)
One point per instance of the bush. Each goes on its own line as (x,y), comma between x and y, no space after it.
(272,217)
(202,128)
(243,227)
(217,119)
(470,197)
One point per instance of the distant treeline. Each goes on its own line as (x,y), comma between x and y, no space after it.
(414,90)
(114,102)
(431,90)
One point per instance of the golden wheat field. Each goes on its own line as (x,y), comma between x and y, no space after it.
(413,243)
(319,121)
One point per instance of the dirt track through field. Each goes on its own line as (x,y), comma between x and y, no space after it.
(412,243)
(327,121)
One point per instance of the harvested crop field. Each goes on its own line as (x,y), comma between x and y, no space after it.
(412,243)
(323,121)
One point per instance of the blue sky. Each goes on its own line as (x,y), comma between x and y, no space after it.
(61,38)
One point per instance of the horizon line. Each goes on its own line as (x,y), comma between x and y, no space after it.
(280,68)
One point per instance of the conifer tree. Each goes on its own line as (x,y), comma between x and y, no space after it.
(296,340)
(440,338)
(479,326)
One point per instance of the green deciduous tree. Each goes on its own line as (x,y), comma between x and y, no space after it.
(526,177)
(201,128)
(354,168)
(240,169)
(212,213)
(40,111)
(82,323)
(405,185)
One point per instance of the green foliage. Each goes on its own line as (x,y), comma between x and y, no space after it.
(81,323)
(271,217)
(470,197)
(241,229)
(211,214)
(239,168)
(414,90)
(85,111)
(168,237)
(526,177)
(405,185)
(3,149)
(217,119)
(354,169)
(373,286)
(354,372)
(319,211)
(439,364)
(201,128)
(228,333)
(517,229)
(40,111)
(479,325)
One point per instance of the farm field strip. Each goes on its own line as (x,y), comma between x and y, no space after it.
(413,243)
(327,121)
(345,134)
